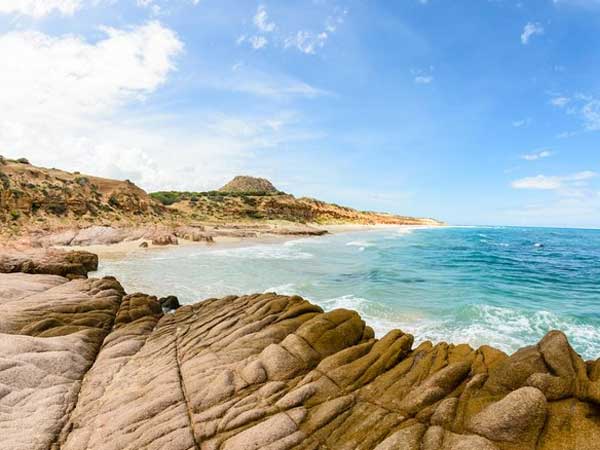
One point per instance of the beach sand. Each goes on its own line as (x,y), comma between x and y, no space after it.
(129,248)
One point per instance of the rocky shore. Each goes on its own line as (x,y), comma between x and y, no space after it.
(83,365)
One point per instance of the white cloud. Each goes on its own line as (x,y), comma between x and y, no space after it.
(48,76)
(521,123)
(307,41)
(537,155)
(258,42)
(62,96)
(560,101)
(248,80)
(39,8)
(423,79)
(531,29)
(591,114)
(261,20)
(586,107)
(77,105)
(565,183)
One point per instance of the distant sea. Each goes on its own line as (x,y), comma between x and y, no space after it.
(503,286)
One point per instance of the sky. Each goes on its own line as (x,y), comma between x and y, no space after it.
(473,112)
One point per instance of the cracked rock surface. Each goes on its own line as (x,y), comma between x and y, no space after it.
(83,366)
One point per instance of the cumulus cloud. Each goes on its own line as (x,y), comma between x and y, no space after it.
(39,8)
(73,104)
(66,76)
(536,155)
(531,29)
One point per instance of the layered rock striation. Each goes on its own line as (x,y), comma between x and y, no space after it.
(85,366)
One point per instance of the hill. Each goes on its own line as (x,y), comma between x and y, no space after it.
(48,197)
(250,186)
(251,199)
(36,199)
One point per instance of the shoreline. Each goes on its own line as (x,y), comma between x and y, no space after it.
(128,248)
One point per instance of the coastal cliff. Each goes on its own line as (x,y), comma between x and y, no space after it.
(86,366)
(55,207)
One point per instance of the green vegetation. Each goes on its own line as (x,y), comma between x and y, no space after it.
(23,161)
(5,180)
(15,214)
(82,181)
(113,201)
(170,197)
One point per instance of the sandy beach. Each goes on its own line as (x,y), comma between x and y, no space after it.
(132,247)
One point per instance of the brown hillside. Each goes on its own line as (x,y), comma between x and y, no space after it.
(35,194)
(249,185)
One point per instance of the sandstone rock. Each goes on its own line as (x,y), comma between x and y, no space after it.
(49,262)
(195,234)
(84,366)
(164,239)
(518,417)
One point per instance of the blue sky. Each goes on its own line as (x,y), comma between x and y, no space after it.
(475,112)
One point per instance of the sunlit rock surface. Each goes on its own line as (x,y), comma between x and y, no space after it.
(85,367)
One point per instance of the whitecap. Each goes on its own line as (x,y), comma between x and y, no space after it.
(263,252)
(283,289)
(361,244)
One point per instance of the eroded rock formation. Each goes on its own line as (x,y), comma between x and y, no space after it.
(52,262)
(84,366)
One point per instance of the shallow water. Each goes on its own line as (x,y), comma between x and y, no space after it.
(502,286)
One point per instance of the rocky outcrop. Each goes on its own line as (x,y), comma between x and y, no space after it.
(53,262)
(249,185)
(164,239)
(84,366)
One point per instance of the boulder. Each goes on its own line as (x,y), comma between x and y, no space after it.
(52,262)
(164,239)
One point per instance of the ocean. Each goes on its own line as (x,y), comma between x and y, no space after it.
(502,286)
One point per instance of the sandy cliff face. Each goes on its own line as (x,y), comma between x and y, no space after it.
(30,194)
(85,366)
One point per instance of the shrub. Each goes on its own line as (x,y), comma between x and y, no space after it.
(112,201)
(57,208)
(23,161)
(166,197)
(15,214)
(5,180)
(82,181)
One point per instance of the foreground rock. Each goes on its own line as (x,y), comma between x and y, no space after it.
(53,262)
(84,366)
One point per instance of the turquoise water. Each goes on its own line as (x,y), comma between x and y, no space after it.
(501,286)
